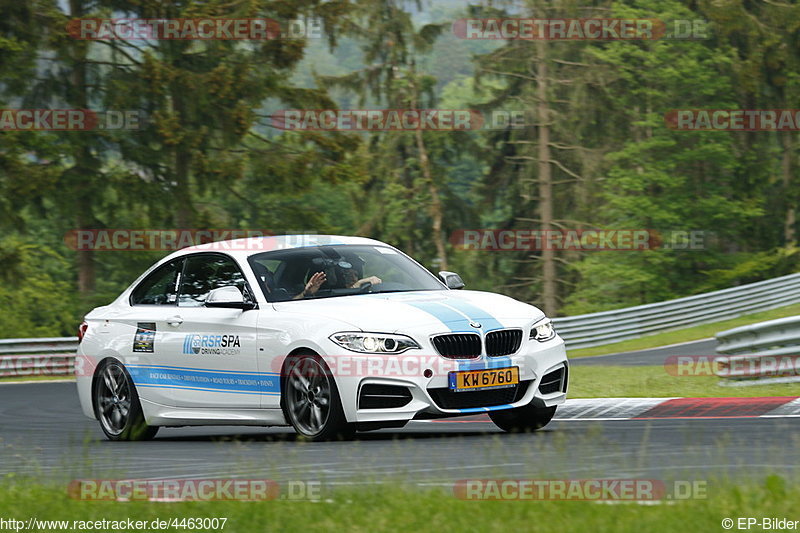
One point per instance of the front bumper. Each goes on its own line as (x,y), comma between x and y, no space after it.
(431,398)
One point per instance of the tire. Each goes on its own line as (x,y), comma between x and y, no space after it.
(523,419)
(311,402)
(117,406)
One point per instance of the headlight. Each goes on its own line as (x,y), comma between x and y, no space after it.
(374,342)
(543,331)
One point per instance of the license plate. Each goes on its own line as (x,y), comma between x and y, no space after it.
(493,378)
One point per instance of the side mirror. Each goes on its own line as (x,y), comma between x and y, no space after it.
(451,279)
(229,297)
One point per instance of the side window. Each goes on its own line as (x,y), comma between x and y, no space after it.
(204,273)
(160,287)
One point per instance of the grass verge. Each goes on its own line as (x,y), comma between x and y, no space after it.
(695,333)
(656,382)
(392,508)
(23,379)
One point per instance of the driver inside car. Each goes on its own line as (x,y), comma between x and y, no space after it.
(344,276)
(352,282)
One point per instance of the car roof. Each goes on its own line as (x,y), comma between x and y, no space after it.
(248,246)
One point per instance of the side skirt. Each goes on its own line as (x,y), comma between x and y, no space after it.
(165,415)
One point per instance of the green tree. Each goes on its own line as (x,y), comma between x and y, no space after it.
(544,175)
(665,180)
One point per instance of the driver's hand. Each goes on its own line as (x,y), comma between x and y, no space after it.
(375,280)
(314,283)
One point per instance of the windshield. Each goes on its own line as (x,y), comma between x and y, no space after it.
(329,271)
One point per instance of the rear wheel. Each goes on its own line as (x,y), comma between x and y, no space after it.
(311,400)
(523,419)
(117,406)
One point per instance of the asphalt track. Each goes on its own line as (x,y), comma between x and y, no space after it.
(43,433)
(652,356)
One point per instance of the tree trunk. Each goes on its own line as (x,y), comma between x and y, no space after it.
(790,217)
(85,162)
(184,213)
(425,166)
(184,209)
(436,203)
(549,275)
(85,258)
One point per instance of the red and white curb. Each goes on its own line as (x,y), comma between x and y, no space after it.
(665,408)
(607,408)
(656,408)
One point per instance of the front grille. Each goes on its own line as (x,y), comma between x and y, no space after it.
(554,381)
(458,345)
(503,342)
(447,399)
(374,396)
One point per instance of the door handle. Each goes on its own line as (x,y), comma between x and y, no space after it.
(175,321)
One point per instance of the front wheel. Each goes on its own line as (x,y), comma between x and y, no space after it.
(523,419)
(311,400)
(117,406)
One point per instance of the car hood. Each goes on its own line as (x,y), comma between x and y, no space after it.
(443,310)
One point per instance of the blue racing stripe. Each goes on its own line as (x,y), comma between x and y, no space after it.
(502,361)
(210,390)
(487,321)
(208,370)
(485,409)
(457,315)
(455,321)
(209,380)
(452,313)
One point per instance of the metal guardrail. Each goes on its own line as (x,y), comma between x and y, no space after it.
(21,357)
(52,356)
(763,350)
(596,329)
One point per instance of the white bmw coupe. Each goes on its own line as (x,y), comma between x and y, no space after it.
(328,334)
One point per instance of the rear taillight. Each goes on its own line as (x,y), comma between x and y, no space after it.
(82,330)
